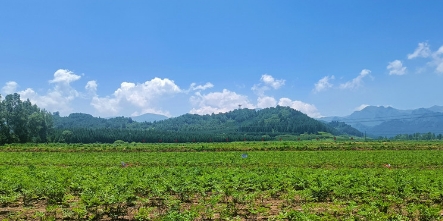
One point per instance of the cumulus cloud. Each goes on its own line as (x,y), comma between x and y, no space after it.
(356,82)
(305,108)
(106,105)
(221,102)
(267,82)
(141,96)
(58,98)
(91,86)
(421,51)
(10,87)
(64,76)
(218,102)
(323,84)
(55,100)
(226,100)
(396,68)
(266,101)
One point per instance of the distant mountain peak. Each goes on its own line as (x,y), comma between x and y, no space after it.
(149,117)
(436,108)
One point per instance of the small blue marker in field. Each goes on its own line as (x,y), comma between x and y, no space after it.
(245,155)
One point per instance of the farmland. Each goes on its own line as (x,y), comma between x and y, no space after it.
(280,180)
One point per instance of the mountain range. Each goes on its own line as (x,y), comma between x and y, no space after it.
(388,121)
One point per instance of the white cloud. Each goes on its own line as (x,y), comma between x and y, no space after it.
(361,107)
(269,80)
(208,110)
(356,82)
(259,90)
(216,102)
(106,105)
(143,96)
(58,98)
(64,76)
(266,101)
(438,60)
(421,51)
(221,102)
(323,83)
(196,87)
(10,87)
(139,98)
(91,86)
(305,108)
(396,68)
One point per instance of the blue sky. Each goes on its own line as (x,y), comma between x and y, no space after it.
(126,58)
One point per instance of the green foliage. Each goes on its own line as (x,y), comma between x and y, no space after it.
(88,181)
(22,122)
(237,125)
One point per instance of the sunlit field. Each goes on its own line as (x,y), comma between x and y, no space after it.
(280,180)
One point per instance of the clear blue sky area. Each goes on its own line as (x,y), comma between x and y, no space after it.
(127,58)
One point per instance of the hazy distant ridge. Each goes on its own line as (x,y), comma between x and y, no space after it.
(149,117)
(388,121)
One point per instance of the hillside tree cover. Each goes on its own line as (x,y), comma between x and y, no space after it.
(236,125)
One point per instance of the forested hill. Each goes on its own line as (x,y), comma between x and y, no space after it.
(81,120)
(271,121)
(235,125)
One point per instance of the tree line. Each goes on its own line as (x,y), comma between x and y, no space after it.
(418,136)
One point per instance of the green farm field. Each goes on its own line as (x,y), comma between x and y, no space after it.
(280,180)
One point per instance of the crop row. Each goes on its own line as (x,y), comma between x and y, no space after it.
(222,185)
(311,145)
(90,193)
(418,159)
